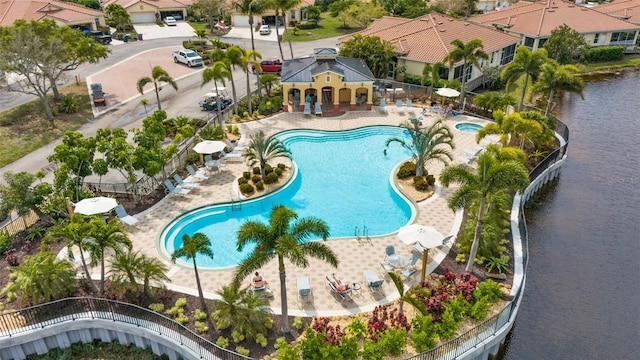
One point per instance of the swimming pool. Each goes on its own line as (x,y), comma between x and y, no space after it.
(342,178)
(468,127)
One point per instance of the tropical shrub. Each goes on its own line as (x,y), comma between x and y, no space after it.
(278,171)
(282,166)
(256,170)
(223,342)
(500,264)
(261,340)
(256,179)
(242,351)
(246,175)
(199,315)
(420,183)
(259,186)
(488,289)
(268,169)
(242,181)
(423,335)
(247,188)
(157,307)
(480,309)
(431,180)
(407,169)
(201,327)
(69,105)
(271,178)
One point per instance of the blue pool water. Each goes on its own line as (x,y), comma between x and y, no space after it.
(467,127)
(342,178)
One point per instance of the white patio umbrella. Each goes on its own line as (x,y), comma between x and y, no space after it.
(209,146)
(426,236)
(96,205)
(448,92)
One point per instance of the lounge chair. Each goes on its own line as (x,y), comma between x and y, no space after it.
(307,108)
(318,109)
(387,267)
(343,295)
(196,175)
(383,105)
(184,184)
(304,288)
(124,217)
(372,280)
(390,250)
(175,190)
(399,106)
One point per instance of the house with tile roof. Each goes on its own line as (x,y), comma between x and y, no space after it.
(628,10)
(147,11)
(427,40)
(333,82)
(63,13)
(269,16)
(534,21)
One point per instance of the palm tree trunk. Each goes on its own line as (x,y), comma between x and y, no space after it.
(157,95)
(283,296)
(462,83)
(549,103)
(235,97)
(249,94)
(218,110)
(278,34)
(203,305)
(102,271)
(85,268)
(476,237)
(524,90)
(288,40)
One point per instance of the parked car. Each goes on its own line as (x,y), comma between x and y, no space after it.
(100,37)
(170,21)
(269,66)
(265,30)
(189,57)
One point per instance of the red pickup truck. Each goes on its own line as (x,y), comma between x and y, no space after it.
(269,66)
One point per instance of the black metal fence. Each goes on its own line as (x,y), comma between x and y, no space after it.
(71,309)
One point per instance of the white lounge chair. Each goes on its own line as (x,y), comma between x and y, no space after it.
(124,217)
(175,190)
(196,175)
(318,109)
(307,108)
(399,106)
(304,288)
(410,269)
(383,105)
(343,295)
(184,184)
(372,280)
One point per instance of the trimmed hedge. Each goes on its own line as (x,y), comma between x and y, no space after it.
(407,169)
(600,54)
(271,178)
(247,189)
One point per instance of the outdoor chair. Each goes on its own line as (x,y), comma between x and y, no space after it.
(383,105)
(410,269)
(304,288)
(175,190)
(342,295)
(318,109)
(184,184)
(196,175)
(372,280)
(124,217)
(399,106)
(387,267)
(390,250)
(307,108)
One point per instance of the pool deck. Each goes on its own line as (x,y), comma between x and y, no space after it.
(354,256)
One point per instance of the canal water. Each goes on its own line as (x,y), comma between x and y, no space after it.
(582,297)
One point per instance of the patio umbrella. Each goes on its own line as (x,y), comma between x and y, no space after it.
(447,92)
(426,236)
(96,205)
(209,146)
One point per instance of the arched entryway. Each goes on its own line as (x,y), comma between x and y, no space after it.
(294,99)
(328,99)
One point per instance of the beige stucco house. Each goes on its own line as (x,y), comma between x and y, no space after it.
(269,16)
(325,83)
(427,40)
(63,13)
(533,22)
(147,11)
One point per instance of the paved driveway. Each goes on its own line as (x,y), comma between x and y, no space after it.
(154,31)
(245,33)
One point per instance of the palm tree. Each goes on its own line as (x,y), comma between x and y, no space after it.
(285,6)
(76,230)
(144,102)
(246,61)
(492,176)
(431,73)
(42,277)
(245,311)
(426,145)
(157,74)
(234,56)
(269,81)
(525,63)
(199,243)
(515,127)
(470,52)
(408,296)
(262,149)
(250,8)
(103,236)
(127,267)
(200,34)
(283,239)
(219,71)
(556,78)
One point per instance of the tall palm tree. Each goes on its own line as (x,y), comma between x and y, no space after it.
(127,268)
(525,63)
(408,295)
(219,71)
(283,239)
(245,311)
(470,52)
(192,246)
(246,61)
(555,78)
(426,145)
(261,149)
(285,6)
(103,236)
(492,176)
(431,73)
(158,74)
(76,230)
(250,8)
(234,55)
(42,277)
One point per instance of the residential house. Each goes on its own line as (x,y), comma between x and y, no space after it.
(533,22)
(427,40)
(628,10)
(334,82)
(147,11)
(63,13)
(269,16)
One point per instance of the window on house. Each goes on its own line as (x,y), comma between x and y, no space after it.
(304,13)
(293,15)
(327,78)
(622,38)
(528,42)
(493,55)
(457,73)
(391,71)
(507,54)
(541,42)
(596,38)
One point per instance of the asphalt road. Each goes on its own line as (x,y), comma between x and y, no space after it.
(130,114)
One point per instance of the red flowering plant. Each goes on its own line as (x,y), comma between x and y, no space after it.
(332,334)
(383,319)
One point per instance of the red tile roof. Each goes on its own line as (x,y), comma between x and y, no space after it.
(12,10)
(428,38)
(540,18)
(628,10)
(161,4)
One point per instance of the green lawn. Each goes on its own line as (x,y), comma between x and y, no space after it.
(627,61)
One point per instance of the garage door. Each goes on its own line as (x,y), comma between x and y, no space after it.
(141,18)
(241,20)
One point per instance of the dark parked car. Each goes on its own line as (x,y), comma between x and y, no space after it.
(100,37)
